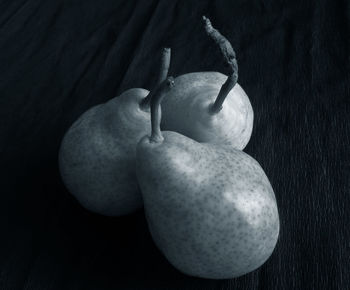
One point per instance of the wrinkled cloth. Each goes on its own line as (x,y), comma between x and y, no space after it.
(59,58)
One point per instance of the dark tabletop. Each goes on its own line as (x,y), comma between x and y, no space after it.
(59,58)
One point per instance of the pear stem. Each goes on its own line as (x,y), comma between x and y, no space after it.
(156,113)
(162,74)
(230,59)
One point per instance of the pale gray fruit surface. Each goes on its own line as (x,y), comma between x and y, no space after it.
(211,211)
(186,110)
(97,155)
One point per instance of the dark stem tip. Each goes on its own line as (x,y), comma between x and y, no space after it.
(170,82)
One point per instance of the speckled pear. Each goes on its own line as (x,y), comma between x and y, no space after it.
(97,154)
(187,110)
(210,106)
(210,209)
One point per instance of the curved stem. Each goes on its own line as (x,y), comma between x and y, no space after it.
(163,72)
(223,93)
(156,115)
(230,59)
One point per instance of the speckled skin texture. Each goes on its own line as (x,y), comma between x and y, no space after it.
(97,155)
(210,210)
(185,110)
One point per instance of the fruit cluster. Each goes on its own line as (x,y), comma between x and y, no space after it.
(209,206)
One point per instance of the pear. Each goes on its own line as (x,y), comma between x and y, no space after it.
(97,154)
(210,208)
(210,106)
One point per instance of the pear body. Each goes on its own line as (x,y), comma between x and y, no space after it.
(211,210)
(186,111)
(97,155)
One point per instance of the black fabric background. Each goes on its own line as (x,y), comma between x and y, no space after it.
(58,58)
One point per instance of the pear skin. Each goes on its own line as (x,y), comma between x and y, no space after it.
(97,155)
(210,209)
(186,111)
